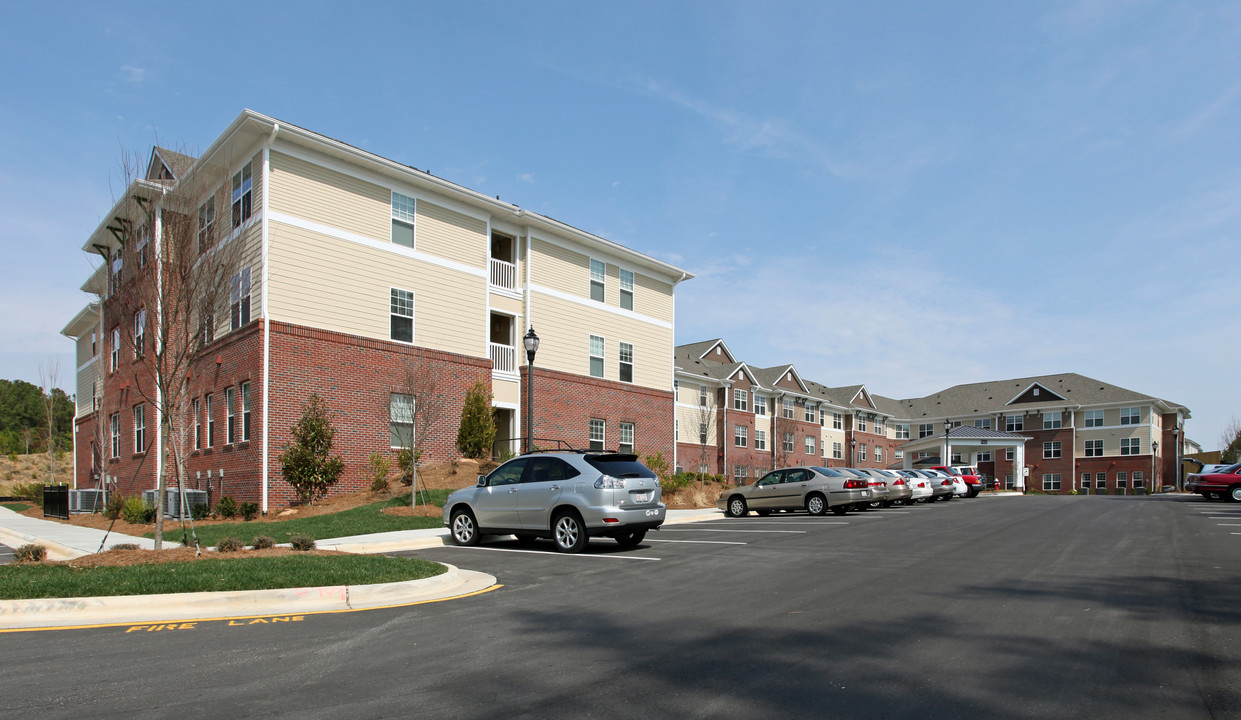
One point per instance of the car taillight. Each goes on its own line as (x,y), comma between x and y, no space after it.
(898,482)
(607,482)
(854,484)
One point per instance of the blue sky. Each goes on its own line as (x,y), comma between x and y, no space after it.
(906,195)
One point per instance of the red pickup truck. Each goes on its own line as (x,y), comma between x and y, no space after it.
(967,473)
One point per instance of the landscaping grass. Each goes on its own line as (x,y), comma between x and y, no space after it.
(358,521)
(17,506)
(42,580)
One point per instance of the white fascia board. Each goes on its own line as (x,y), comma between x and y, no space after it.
(101,234)
(85,321)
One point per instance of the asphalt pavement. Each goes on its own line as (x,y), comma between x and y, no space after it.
(1030,607)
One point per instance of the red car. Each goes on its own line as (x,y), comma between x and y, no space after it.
(967,473)
(1222,485)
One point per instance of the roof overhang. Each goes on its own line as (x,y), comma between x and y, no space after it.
(85,321)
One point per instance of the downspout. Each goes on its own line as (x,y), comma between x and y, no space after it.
(265,247)
(160,502)
(724,434)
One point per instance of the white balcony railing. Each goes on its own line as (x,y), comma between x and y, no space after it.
(503,358)
(503,274)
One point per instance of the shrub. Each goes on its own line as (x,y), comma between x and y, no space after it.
(248,510)
(229,544)
(658,465)
(477,433)
(308,464)
(134,510)
(302,542)
(30,553)
(679,481)
(32,491)
(125,546)
(199,511)
(227,507)
(13,457)
(112,510)
(406,460)
(380,468)
(262,542)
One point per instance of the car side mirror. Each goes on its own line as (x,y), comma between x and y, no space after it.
(482,481)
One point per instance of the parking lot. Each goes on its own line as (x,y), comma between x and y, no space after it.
(1092,607)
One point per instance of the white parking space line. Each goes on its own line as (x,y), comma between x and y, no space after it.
(1229,524)
(554,554)
(1226,517)
(700,542)
(711,529)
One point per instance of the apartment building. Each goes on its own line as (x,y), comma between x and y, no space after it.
(1054,433)
(372,284)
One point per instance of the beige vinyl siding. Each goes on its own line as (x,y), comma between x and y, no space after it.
(651,297)
(83,347)
(325,282)
(86,374)
(1111,439)
(450,235)
(688,419)
(562,269)
(509,305)
(505,391)
(565,328)
(330,198)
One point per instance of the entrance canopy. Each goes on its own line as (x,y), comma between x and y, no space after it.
(966,439)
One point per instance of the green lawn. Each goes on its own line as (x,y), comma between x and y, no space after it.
(17,506)
(42,580)
(358,521)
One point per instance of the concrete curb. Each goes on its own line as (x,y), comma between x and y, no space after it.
(55,551)
(133,609)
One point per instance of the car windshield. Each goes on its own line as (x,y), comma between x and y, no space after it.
(1230,469)
(619,466)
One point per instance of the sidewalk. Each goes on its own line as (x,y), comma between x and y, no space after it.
(63,541)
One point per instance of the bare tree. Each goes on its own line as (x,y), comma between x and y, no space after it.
(27,436)
(49,376)
(707,416)
(415,405)
(175,272)
(1230,442)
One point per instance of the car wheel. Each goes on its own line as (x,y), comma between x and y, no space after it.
(464,529)
(816,504)
(737,507)
(862,507)
(569,533)
(949,496)
(631,538)
(878,503)
(1234,493)
(839,510)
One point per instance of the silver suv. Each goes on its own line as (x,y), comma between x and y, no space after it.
(565,496)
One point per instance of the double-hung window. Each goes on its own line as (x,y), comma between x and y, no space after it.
(114,352)
(786,409)
(1051,450)
(788,442)
(861,452)
(596,356)
(206,225)
(984,423)
(926,429)
(401,309)
(245,412)
(230,416)
(1014,423)
(861,423)
(702,395)
(878,453)
(808,413)
(626,289)
(1094,418)
(1094,448)
(741,436)
(596,434)
(400,421)
(702,433)
(198,425)
(1130,416)
(838,421)
(1051,482)
(115,422)
(403,220)
(626,362)
(140,329)
(837,450)
(741,399)
(243,196)
(760,439)
(1100,480)
(140,428)
(239,298)
(809,444)
(210,421)
(597,274)
(760,404)
(626,438)
(1052,420)
(1130,446)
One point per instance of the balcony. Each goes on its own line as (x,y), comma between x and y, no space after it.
(503,358)
(503,275)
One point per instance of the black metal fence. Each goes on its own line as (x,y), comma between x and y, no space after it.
(56,501)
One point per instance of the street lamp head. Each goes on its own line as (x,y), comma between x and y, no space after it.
(1155,446)
(531,343)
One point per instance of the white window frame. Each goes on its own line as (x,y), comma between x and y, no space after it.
(230,416)
(878,453)
(1051,482)
(593,356)
(789,442)
(741,399)
(838,421)
(405,215)
(810,445)
(239,299)
(626,444)
(600,437)
(1131,446)
(838,450)
(760,439)
(902,431)
(624,364)
(786,408)
(760,404)
(207,406)
(626,289)
(1093,448)
(1053,420)
(1131,416)
(925,430)
(140,428)
(1052,450)
(1014,423)
(861,452)
(598,279)
(140,330)
(1094,418)
(114,359)
(741,436)
(115,422)
(400,305)
(196,410)
(206,225)
(243,194)
(245,411)
(861,423)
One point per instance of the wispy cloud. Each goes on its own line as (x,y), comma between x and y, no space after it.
(133,74)
(526,178)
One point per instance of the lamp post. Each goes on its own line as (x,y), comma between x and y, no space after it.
(531,343)
(852,452)
(1154,476)
(1176,454)
(947,459)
